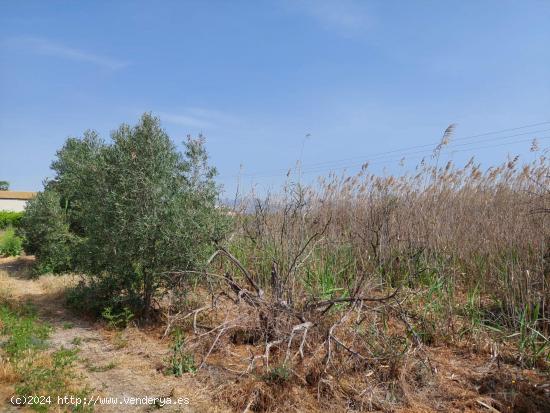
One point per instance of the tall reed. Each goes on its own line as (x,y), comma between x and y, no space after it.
(477,229)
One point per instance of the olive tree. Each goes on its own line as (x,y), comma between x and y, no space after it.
(46,232)
(140,208)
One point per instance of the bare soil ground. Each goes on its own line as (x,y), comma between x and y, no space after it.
(131,363)
(116,365)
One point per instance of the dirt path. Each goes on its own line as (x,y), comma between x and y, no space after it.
(130,364)
(115,365)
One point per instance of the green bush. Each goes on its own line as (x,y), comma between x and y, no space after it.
(117,320)
(10,244)
(181,361)
(47,235)
(93,294)
(126,213)
(277,375)
(10,218)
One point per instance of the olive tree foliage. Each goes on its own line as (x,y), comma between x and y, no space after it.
(139,207)
(4,185)
(47,235)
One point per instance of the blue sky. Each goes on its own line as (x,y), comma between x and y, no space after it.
(256,77)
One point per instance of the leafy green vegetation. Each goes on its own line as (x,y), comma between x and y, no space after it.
(47,233)
(10,219)
(23,331)
(117,320)
(38,372)
(277,375)
(346,276)
(181,361)
(125,213)
(11,245)
(533,345)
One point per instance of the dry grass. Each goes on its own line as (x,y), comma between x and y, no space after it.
(7,287)
(57,284)
(422,292)
(461,256)
(473,227)
(104,366)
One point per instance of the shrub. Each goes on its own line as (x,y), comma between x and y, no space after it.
(10,218)
(117,320)
(47,235)
(91,296)
(277,375)
(10,243)
(181,361)
(131,211)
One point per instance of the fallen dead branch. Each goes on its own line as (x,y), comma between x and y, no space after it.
(330,337)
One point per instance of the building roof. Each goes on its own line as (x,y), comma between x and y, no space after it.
(17,195)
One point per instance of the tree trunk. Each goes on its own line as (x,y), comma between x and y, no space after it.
(147,297)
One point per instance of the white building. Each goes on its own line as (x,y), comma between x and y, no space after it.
(14,200)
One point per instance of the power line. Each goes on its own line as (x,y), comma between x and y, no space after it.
(423,153)
(431,145)
(336,163)
(419,154)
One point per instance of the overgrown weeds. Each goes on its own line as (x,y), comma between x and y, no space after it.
(11,245)
(23,331)
(33,370)
(181,360)
(346,284)
(10,219)
(117,320)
